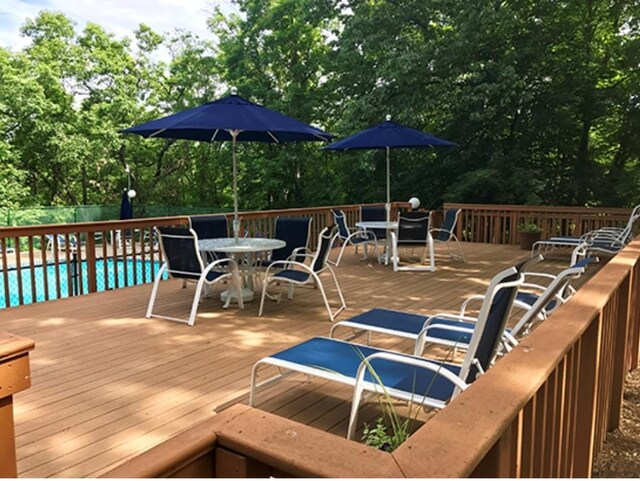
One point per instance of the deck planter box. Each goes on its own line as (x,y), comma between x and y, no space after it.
(527,239)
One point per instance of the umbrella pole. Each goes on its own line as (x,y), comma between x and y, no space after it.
(236,221)
(388,205)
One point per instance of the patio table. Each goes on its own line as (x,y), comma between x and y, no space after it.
(381,224)
(244,251)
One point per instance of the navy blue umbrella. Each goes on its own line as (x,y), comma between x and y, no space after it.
(388,135)
(230,118)
(126,208)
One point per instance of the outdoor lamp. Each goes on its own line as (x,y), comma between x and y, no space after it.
(131,193)
(415,202)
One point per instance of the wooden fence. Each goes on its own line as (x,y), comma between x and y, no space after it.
(43,262)
(498,224)
(542,411)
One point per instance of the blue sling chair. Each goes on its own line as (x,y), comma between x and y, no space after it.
(183,261)
(444,234)
(295,231)
(295,273)
(356,237)
(428,382)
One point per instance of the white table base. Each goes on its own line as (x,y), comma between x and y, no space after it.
(247,295)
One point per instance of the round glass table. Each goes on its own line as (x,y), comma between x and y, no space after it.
(243,250)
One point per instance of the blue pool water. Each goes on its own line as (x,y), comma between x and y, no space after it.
(137,272)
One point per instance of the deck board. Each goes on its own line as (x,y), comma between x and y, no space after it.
(109,383)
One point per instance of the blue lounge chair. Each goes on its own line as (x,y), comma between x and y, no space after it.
(445,233)
(183,261)
(296,273)
(415,379)
(447,329)
(532,288)
(60,241)
(354,236)
(609,240)
(295,231)
(454,330)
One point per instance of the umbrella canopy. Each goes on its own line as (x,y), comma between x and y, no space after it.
(126,208)
(230,118)
(388,135)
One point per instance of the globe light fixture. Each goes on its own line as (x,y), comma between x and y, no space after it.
(131,193)
(415,202)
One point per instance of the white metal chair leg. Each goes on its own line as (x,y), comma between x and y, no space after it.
(355,401)
(344,245)
(342,301)
(196,301)
(265,284)
(154,291)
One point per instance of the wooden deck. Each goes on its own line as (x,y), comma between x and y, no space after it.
(108,383)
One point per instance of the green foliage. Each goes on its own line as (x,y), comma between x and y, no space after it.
(541,97)
(379,437)
(529,227)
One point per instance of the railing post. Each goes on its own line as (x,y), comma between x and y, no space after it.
(14,377)
(91,261)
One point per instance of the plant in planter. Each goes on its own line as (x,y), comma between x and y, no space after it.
(528,234)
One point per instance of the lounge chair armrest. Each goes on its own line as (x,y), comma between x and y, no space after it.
(539,274)
(452,317)
(468,300)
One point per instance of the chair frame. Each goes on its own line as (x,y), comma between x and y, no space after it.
(312,279)
(339,216)
(451,235)
(360,385)
(230,265)
(396,245)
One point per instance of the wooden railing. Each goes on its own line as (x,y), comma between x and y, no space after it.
(498,224)
(44,262)
(15,376)
(542,411)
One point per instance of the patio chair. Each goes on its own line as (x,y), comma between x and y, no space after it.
(374,213)
(608,240)
(183,261)
(430,383)
(445,233)
(296,273)
(532,288)
(448,329)
(413,233)
(209,226)
(61,242)
(295,231)
(354,236)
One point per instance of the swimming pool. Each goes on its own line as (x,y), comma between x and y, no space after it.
(137,272)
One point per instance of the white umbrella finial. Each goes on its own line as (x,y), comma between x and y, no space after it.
(388,117)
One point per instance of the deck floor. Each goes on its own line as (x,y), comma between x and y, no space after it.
(107,383)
